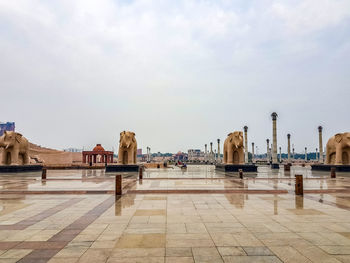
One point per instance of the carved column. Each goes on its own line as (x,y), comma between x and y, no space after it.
(274,137)
(219,157)
(245,144)
(288,136)
(320,143)
(268,150)
(305,154)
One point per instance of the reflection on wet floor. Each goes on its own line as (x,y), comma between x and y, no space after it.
(194,177)
(221,226)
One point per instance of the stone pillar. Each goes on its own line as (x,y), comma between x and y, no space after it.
(288,137)
(211,152)
(84,158)
(316,158)
(205,153)
(150,155)
(219,157)
(305,154)
(253,157)
(245,144)
(293,153)
(320,143)
(274,137)
(268,150)
(280,154)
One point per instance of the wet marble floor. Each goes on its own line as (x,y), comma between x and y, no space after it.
(257,219)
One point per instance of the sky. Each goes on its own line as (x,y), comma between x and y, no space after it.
(180,74)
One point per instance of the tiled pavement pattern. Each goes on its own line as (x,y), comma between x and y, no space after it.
(188,227)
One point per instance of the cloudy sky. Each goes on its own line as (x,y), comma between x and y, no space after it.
(178,73)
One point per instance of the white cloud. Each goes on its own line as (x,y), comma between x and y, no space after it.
(191,70)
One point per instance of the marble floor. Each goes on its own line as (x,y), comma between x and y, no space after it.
(172,215)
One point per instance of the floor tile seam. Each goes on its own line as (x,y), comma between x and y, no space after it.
(60,232)
(330,203)
(211,237)
(21,223)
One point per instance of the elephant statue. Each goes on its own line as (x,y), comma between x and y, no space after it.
(127,148)
(338,149)
(15,148)
(233,148)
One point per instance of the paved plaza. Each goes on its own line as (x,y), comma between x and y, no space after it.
(174,215)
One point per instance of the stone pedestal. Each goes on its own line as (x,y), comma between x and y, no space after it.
(328,167)
(275,166)
(122,168)
(20,168)
(236,167)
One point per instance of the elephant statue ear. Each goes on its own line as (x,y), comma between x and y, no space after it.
(338,137)
(229,134)
(18,137)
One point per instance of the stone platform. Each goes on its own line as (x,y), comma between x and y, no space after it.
(235,167)
(122,168)
(20,168)
(327,167)
(275,166)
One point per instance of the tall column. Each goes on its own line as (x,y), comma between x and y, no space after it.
(211,152)
(274,137)
(150,155)
(320,143)
(205,153)
(219,156)
(253,156)
(268,150)
(293,153)
(280,154)
(316,158)
(305,154)
(245,144)
(288,137)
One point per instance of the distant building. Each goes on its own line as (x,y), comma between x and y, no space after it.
(73,150)
(139,152)
(180,156)
(195,154)
(6,126)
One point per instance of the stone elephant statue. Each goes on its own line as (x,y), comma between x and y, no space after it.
(15,148)
(127,148)
(233,148)
(338,149)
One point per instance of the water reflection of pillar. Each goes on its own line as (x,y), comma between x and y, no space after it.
(299,202)
(236,199)
(275,205)
(123,201)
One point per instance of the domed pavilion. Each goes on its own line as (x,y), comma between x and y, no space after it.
(98,155)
